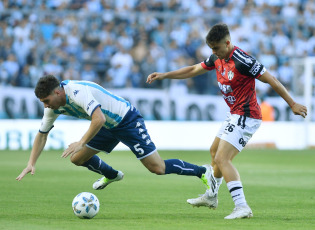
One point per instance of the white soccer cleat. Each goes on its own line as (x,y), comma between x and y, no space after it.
(103,182)
(208,179)
(204,200)
(240,212)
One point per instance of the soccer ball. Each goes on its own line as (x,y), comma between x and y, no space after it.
(85,205)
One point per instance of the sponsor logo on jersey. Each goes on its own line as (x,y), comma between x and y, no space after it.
(75,92)
(88,106)
(225,88)
(254,70)
(230,75)
(248,60)
(230,99)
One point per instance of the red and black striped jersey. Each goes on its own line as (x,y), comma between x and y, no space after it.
(236,79)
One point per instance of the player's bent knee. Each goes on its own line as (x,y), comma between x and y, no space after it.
(76,161)
(157,170)
(218,160)
(213,152)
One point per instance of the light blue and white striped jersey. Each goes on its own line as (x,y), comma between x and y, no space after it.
(83,97)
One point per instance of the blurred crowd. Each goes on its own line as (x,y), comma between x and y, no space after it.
(118,43)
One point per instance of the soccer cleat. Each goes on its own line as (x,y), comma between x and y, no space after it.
(240,212)
(205,200)
(208,179)
(103,182)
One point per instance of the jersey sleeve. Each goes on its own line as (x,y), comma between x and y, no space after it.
(48,120)
(85,99)
(208,64)
(247,65)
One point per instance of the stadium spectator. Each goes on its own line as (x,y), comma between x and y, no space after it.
(123,58)
(4,75)
(267,110)
(285,72)
(11,66)
(89,74)
(22,48)
(136,77)
(117,76)
(47,28)
(23,79)
(71,74)
(236,74)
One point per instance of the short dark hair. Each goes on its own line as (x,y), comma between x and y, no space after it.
(46,85)
(217,33)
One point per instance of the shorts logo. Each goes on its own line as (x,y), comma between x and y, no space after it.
(138,124)
(242,142)
(254,70)
(230,75)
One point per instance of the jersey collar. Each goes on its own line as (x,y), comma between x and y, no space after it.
(226,60)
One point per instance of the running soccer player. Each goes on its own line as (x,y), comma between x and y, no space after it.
(236,73)
(113,120)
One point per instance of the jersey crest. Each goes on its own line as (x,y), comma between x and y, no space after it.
(230,75)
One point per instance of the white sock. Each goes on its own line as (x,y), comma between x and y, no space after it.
(219,182)
(237,193)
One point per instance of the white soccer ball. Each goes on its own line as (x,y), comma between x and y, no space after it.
(85,205)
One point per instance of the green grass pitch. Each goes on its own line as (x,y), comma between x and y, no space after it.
(279,186)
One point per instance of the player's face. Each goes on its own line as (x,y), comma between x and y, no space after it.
(52,101)
(220,49)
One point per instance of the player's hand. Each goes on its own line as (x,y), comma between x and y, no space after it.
(72,149)
(28,169)
(299,109)
(155,76)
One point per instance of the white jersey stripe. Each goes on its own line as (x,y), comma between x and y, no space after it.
(240,60)
(241,56)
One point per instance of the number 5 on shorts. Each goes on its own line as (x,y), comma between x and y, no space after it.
(139,150)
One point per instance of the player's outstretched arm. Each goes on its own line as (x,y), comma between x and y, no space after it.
(297,108)
(155,76)
(183,73)
(38,146)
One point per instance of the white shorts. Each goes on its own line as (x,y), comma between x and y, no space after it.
(238,129)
